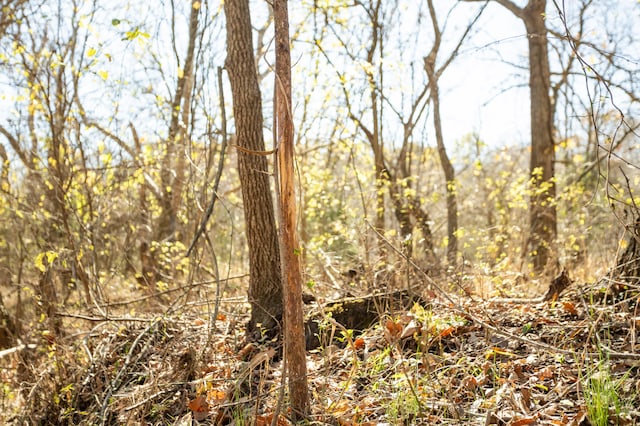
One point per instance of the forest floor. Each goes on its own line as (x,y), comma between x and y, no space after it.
(571,361)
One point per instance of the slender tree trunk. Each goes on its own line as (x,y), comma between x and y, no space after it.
(265,286)
(542,208)
(543,220)
(447,167)
(381,171)
(174,161)
(374,136)
(294,343)
(433,74)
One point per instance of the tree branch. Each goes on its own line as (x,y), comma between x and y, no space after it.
(508,4)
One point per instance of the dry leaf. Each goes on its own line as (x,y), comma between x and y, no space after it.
(216,395)
(245,352)
(447,332)
(410,329)
(524,422)
(267,419)
(392,330)
(545,373)
(199,404)
(570,307)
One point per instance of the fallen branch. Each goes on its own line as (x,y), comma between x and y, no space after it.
(15,349)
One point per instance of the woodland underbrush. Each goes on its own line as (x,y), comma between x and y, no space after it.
(452,357)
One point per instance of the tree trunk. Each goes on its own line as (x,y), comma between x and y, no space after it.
(447,167)
(628,263)
(542,209)
(543,222)
(294,342)
(265,286)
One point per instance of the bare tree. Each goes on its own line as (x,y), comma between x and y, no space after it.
(48,149)
(265,284)
(542,206)
(408,211)
(434,73)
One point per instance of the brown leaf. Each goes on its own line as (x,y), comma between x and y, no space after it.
(392,329)
(359,343)
(570,307)
(524,422)
(199,404)
(267,419)
(216,395)
(447,332)
(545,373)
(246,351)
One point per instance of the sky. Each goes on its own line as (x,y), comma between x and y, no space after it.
(479,92)
(482,91)
(483,95)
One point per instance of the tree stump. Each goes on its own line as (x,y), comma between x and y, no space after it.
(628,263)
(358,313)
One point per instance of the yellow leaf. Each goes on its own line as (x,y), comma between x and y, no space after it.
(497,351)
(51,256)
(196,5)
(180,73)
(91,52)
(39,262)
(103,74)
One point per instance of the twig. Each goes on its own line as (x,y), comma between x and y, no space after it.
(150,398)
(223,149)
(16,349)
(101,319)
(115,383)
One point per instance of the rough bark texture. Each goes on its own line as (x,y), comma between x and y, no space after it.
(542,204)
(265,287)
(289,249)
(7,327)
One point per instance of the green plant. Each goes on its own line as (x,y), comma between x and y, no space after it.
(601,395)
(405,406)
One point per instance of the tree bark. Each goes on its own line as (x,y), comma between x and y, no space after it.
(265,286)
(449,176)
(294,342)
(543,222)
